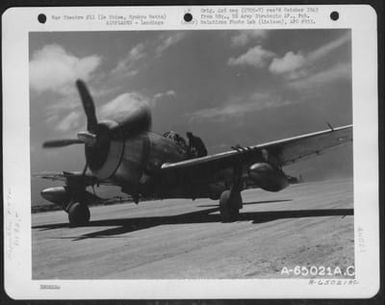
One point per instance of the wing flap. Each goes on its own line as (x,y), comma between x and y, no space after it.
(293,149)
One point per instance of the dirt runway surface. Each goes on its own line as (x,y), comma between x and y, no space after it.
(304,225)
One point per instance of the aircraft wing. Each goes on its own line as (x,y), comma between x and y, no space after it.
(76,177)
(285,151)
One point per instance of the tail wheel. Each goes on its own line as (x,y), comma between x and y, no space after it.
(229,205)
(78,214)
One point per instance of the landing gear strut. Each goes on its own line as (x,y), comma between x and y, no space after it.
(78,213)
(229,205)
(231,200)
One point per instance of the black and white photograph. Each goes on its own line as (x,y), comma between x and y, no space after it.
(180,154)
(201,152)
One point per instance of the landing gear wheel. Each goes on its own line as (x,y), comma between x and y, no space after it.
(229,205)
(78,214)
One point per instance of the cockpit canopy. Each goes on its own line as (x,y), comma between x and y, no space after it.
(177,139)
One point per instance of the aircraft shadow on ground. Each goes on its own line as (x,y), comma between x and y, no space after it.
(248,203)
(126,225)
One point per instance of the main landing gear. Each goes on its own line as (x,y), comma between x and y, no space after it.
(77,208)
(230,201)
(78,213)
(229,205)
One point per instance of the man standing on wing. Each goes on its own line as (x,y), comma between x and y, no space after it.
(196,147)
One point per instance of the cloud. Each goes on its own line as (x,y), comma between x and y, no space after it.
(256,57)
(161,95)
(288,63)
(298,65)
(338,72)
(127,66)
(225,111)
(140,55)
(244,37)
(52,68)
(70,122)
(328,47)
(65,102)
(122,103)
(166,41)
(118,106)
(237,107)
(63,105)
(127,101)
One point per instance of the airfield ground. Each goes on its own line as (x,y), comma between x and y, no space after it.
(306,224)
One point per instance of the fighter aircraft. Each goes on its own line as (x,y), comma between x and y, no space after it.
(124,152)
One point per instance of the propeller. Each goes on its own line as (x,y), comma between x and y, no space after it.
(133,119)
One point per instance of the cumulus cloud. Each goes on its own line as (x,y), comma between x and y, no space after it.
(298,65)
(288,63)
(242,38)
(52,68)
(256,57)
(166,41)
(70,122)
(122,103)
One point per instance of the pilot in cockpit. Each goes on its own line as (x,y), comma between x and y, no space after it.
(177,139)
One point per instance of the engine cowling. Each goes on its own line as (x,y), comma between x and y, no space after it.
(104,157)
(267,177)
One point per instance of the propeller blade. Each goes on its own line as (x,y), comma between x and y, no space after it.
(88,105)
(61,143)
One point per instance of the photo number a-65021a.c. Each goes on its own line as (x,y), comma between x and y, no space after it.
(321,271)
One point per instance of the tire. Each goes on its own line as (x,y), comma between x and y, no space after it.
(237,201)
(78,214)
(229,206)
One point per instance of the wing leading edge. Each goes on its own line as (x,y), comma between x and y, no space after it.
(285,151)
(72,177)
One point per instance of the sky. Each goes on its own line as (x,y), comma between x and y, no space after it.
(228,87)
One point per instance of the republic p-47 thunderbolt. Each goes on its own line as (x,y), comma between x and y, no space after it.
(125,153)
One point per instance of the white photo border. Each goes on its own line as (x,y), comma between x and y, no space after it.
(17,23)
